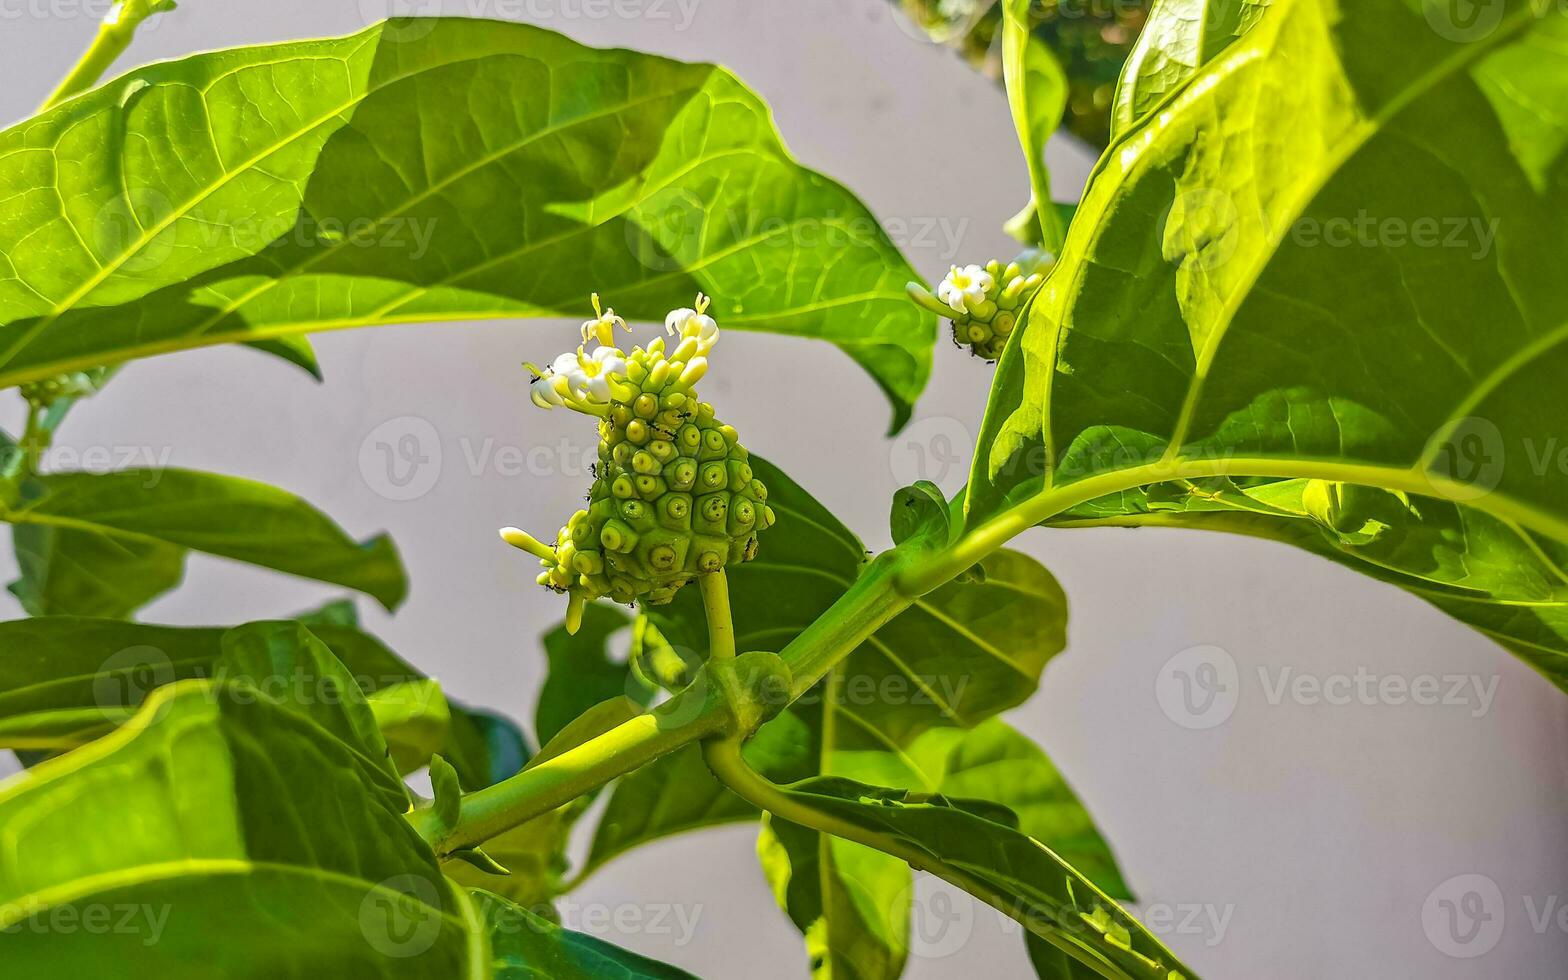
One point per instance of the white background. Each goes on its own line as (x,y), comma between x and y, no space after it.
(1316,833)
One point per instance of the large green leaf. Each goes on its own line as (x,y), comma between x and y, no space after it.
(1352,283)
(970,844)
(66,680)
(229,833)
(263,192)
(67,571)
(1179,37)
(266,845)
(101,543)
(959,656)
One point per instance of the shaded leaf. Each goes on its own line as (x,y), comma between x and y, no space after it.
(526,946)
(1003,866)
(144,517)
(65,680)
(248,869)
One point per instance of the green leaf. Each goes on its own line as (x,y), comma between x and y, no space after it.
(196,811)
(995,762)
(416,721)
(850,902)
(921,512)
(526,946)
(1179,37)
(66,680)
(1260,353)
(1037,96)
(581,671)
(338,612)
(960,655)
(67,571)
(448,795)
(142,518)
(259,193)
(1018,875)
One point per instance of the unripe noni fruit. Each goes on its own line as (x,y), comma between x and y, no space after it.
(673,496)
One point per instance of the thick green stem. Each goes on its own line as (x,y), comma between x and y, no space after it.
(716,603)
(560,780)
(724,758)
(114,36)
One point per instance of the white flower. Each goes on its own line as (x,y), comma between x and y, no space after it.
(603,325)
(966,288)
(694,324)
(578,380)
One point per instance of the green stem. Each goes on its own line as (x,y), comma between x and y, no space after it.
(560,780)
(114,36)
(716,603)
(35,440)
(724,758)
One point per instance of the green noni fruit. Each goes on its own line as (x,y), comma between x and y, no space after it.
(673,496)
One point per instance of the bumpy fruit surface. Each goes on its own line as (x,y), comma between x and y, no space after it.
(673,496)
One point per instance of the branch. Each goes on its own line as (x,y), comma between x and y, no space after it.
(114,36)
